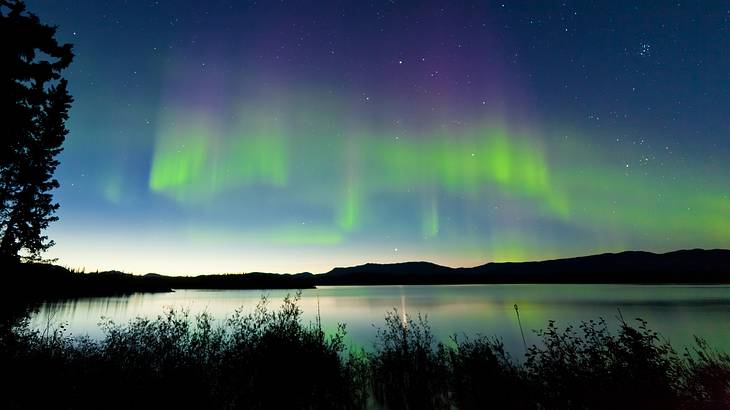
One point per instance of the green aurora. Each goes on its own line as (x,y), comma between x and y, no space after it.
(472,189)
(277,136)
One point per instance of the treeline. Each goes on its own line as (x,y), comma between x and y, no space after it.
(253,280)
(272,359)
(30,281)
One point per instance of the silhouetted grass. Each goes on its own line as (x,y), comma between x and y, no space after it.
(271,359)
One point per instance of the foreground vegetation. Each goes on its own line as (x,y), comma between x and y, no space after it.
(272,359)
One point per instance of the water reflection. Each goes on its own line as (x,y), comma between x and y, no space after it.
(677,312)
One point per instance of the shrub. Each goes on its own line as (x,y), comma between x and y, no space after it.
(407,372)
(271,359)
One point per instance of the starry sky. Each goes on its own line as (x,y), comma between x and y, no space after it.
(233,136)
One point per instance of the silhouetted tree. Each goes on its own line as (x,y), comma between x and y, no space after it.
(34,104)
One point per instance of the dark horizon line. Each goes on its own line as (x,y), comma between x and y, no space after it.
(414,262)
(685,266)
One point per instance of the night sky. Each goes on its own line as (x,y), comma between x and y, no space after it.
(211,137)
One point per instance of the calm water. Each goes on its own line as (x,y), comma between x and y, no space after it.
(677,311)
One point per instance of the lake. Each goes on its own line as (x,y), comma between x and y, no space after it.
(677,311)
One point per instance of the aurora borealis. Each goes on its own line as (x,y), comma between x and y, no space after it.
(212,137)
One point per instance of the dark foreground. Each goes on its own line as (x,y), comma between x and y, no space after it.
(271,359)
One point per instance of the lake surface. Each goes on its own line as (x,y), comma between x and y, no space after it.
(677,311)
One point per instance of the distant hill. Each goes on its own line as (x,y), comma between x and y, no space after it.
(253,280)
(388,274)
(40,280)
(43,281)
(684,266)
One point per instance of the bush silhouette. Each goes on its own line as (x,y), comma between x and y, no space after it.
(271,359)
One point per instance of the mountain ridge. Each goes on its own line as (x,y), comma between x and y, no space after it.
(680,266)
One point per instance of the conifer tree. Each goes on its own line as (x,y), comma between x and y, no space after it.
(34,104)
